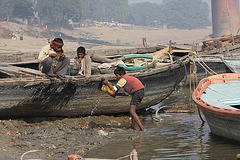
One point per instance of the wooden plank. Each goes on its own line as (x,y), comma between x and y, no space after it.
(221,50)
(20,70)
(231,58)
(101,59)
(228,66)
(232,64)
(11,70)
(233,47)
(32,71)
(24,62)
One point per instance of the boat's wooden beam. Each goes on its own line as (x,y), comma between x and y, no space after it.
(32,71)
(20,71)
(11,70)
(221,50)
(101,59)
(24,62)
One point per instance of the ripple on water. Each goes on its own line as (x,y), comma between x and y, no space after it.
(179,136)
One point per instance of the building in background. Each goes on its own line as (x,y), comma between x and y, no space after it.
(225,17)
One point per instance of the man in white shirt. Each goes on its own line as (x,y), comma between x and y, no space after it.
(53,61)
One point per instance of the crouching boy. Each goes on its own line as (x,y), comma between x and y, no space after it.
(135,88)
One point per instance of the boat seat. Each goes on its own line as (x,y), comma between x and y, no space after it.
(231,102)
(224,95)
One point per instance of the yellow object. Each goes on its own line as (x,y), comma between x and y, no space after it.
(107,89)
(103,87)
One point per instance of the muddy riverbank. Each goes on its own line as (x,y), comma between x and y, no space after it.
(56,138)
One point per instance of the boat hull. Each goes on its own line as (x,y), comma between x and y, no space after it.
(75,98)
(224,126)
(222,119)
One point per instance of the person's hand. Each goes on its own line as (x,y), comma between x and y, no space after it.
(105,82)
(63,55)
(79,60)
(53,55)
(87,78)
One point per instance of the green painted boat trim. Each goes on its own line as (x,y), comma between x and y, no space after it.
(123,58)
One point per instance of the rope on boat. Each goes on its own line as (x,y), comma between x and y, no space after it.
(185,69)
(199,113)
(157,116)
(194,75)
(124,157)
(133,155)
(29,152)
(203,64)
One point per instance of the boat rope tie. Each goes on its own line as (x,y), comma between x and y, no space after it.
(193,75)
(157,116)
(203,64)
(133,155)
(185,69)
(31,151)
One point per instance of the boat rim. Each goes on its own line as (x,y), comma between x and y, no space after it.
(208,107)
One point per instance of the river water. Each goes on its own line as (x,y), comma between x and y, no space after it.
(176,136)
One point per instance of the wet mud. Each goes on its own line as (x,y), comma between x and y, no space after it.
(56,138)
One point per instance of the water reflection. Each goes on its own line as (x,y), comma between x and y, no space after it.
(179,136)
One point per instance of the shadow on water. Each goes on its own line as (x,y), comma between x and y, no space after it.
(177,136)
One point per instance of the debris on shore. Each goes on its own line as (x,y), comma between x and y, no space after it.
(57,137)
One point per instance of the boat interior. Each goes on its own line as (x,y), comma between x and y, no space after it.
(100,65)
(224,95)
(20,69)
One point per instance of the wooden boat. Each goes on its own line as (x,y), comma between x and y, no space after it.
(210,55)
(218,98)
(232,63)
(25,92)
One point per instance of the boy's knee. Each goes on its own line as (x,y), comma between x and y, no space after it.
(67,60)
(48,60)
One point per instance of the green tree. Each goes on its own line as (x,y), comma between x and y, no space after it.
(23,9)
(106,10)
(59,12)
(145,13)
(6,7)
(185,14)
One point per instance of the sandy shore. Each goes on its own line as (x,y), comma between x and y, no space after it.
(117,36)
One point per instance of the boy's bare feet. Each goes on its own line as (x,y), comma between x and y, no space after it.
(143,129)
(126,128)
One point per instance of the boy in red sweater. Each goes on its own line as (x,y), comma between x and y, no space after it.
(135,88)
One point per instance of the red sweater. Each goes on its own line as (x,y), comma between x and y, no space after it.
(133,84)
